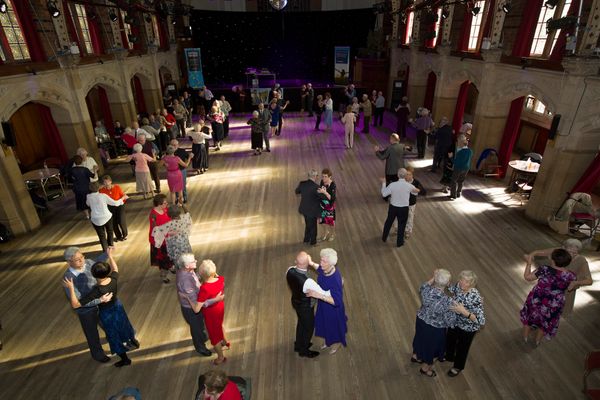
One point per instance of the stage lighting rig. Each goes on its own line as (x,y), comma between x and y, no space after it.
(551,4)
(506,7)
(52,9)
(113,15)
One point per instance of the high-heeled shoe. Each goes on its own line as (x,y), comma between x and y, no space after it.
(217,362)
(226,343)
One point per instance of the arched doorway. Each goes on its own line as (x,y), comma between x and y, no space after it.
(37,136)
(98,105)
(138,95)
(430,91)
(466,103)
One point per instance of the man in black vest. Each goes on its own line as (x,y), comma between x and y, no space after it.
(310,205)
(296,277)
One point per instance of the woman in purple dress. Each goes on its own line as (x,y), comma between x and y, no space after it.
(545,302)
(330,319)
(174,175)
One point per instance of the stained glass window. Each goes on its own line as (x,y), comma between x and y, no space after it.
(84,28)
(15,41)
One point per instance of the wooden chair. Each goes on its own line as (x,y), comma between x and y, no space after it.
(592,363)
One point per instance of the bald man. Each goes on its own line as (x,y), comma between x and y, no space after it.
(299,283)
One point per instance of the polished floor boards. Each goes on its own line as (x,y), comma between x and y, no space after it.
(246,220)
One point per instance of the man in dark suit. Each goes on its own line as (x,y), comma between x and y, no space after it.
(310,205)
(393,156)
(296,277)
(310,99)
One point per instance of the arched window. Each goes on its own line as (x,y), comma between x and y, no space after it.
(410,19)
(12,41)
(84,30)
(476,28)
(535,105)
(544,41)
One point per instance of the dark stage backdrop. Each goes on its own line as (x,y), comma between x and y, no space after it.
(292,45)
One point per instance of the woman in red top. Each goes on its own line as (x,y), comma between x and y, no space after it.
(159,256)
(212,286)
(218,387)
(118,212)
(169,121)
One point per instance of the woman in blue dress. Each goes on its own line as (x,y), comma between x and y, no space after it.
(275,111)
(330,319)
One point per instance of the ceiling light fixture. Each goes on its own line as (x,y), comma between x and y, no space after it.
(112,15)
(52,9)
(445,13)
(506,7)
(3,7)
(475,10)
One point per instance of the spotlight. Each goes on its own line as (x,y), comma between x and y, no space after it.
(132,38)
(52,9)
(174,21)
(551,4)
(3,7)
(148,18)
(506,7)
(475,10)
(112,15)
(92,15)
(445,13)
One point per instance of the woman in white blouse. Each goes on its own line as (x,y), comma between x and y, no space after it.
(101,216)
(199,135)
(89,163)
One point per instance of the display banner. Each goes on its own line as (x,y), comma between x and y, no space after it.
(342,64)
(194,66)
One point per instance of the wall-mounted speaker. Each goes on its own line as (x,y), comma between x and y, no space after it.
(9,134)
(554,127)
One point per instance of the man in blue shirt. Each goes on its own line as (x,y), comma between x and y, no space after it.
(462,164)
(80,270)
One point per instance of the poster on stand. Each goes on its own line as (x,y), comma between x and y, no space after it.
(194,66)
(342,65)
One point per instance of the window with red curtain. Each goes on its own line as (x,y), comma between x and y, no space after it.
(72,27)
(410,19)
(522,45)
(511,133)
(95,32)
(13,46)
(435,27)
(125,31)
(138,92)
(461,103)
(81,24)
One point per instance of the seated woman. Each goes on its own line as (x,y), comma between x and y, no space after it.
(111,313)
(217,386)
(545,302)
(433,318)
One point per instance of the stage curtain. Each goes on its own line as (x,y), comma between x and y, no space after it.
(541,141)
(463,43)
(430,91)
(105,110)
(95,33)
(461,102)
(29,29)
(559,48)
(163,34)
(139,95)
(590,177)
(511,132)
(73,36)
(57,147)
(522,45)
(489,19)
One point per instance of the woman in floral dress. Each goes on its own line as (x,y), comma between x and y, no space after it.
(328,189)
(176,233)
(545,302)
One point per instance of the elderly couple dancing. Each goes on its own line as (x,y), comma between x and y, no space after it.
(329,322)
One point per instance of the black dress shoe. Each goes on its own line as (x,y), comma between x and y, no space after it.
(133,344)
(103,360)
(205,352)
(309,354)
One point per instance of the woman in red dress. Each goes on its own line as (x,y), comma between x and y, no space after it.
(159,256)
(212,287)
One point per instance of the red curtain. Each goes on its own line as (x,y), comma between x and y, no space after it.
(95,35)
(163,34)
(511,132)
(559,47)
(489,20)
(105,110)
(52,133)
(461,102)
(71,27)
(541,141)
(590,177)
(139,95)
(34,45)
(463,44)
(522,45)
(430,91)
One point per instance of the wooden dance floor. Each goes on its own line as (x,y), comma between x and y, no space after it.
(246,220)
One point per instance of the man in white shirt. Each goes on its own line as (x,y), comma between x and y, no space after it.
(101,217)
(400,192)
(135,126)
(379,109)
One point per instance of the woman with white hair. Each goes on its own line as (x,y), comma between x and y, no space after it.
(199,134)
(434,316)
(578,265)
(256,133)
(330,318)
(212,286)
(89,163)
(143,180)
(174,175)
(470,319)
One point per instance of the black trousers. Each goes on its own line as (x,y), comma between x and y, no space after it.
(366,120)
(105,234)
(119,221)
(304,328)
(89,323)
(421,142)
(401,128)
(318,121)
(181,126)
(310,229)
(197,328)
(401,214)
(458,343)
(456,182)
(279,124)
(163,140)
(439,159)
(378,120)
(226,127)
(153,166)
(389,179)
(309,106)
